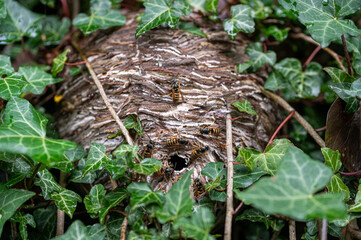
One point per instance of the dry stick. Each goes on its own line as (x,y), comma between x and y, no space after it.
(324,229)
(123,228)
(60,215)
(346,54)
(297,116)
(229,209)
(328,50)
(292,229)
(239,207)
(313,54)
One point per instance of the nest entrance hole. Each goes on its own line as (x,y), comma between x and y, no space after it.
(178,162)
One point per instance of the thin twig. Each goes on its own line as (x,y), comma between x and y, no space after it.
(60,216)
(328,50)
(320,129)
(346,55)
(76,63)
(239,207)
(349,173)
(123,228)
(33,176)
(313,54)
(292,229)
(324,229)
(229,208)
(297,116)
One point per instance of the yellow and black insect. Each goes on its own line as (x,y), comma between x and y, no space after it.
(198,188)
(166,172)
(148,151)
(196,153)
(177,140)
(175,91)
(209,130)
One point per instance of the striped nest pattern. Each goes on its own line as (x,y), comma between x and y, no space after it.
(137,74)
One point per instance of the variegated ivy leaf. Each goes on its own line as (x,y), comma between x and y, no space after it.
(2,9)
(354,45)
(212,5)
(241,20)
(66,200)
(198,5)
(292,191)
(349,92)
(160,11)
(70,156)
(243,66)
(23,221)
(258,57)
(18,22)
(147,166)
(47,183)
(94,200)
(11,83)
(244,177)
(339,76)
(58,62)
(336,185)
(111,200)
(332,159)
(279,34)
(24,132)
(256,215)
(268,161)
(325,19)
(53,30)
(126,151)
(357,206)
(97,159)
(101,17)
(189,27)
(244,106)
(5,65)
(37,79)
(76,231)
(142,194)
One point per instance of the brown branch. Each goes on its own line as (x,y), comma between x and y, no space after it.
(328,50)
(297,116)
(346,55)
(313,54)
(123,228)
(292,229)
(229,208)
(33,176)
(239,207)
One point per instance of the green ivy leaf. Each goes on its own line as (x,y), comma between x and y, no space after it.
(332,159)
(2,9)
(324,20)
(212,5)
(348,92)
(133,122)
(46,221)
(49,3)
(214,170)
(97,159)
(117,167)
(114,225)
(259,10)
(36,79)
(96,231)
(111,200)
(295,183)
(336,185)
(53,30)
(258,57)
(275,81)
(76,231)
(66,200)
(18,22)
(198,226)
(346,220)
(245,106)
(23,221)
(102,17)
(142,194)
(77,174)
(66,164)
(256,215)
(10,200)
(157,12)
(147,166)
(339,76)
(241,20)
(5,65)
(58,62)
(357,206)
(126,151)
(244,177)
(279,34)
(46,182)
(267,161)
(11,85)
(93,201)
(244,66)
(178,202)
(198,5)
(23,132)
(189,27)
(354,45)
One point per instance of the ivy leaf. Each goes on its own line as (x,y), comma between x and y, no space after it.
(147,166)
(46,221)
(77,174)
(49,3)
(157,12)
(198,5)
(96,231)
(5,65)
(348,92)
(66,164)
(198,226)
(332,159)
(212,5)
(255,215)
(214,170)
(111,200)
(213,184)
(336,185)
(339,76)
(267,161)
(357,206)
(189,27)
(142,194)
(258,57)
(93,201)
(10,200)
(46,182)
(126,151)
(178,202)
(279,34)
(18,22)
(133,122)
(117,167)
(97,159)
(244,106)
(324,20)
(66,200)
(58,63)
(76,231)
(295,183)
(53,30)
(23,220)
(241,20)
(23,132)
(101,17)
(244,177)
(346,220)
(2,9)
(354,45)
(11,85)
(259,10)
(36,79)
(275,81)
(244,66)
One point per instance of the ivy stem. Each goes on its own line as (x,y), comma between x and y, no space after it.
(279,128)
(320,129)
(74,64)
(324,229)
(313,54)
(229,206)
(292,229)
(33,176)
(60,215)
(239,207)
(123,228)
(65,8)
(350,173)
(346,54)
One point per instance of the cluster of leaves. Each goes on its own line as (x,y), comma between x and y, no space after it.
(272,182)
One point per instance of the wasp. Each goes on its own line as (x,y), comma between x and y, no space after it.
(196,153)
(198,188)
(209,130)
(148,151)
(175,91)
(177,140)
